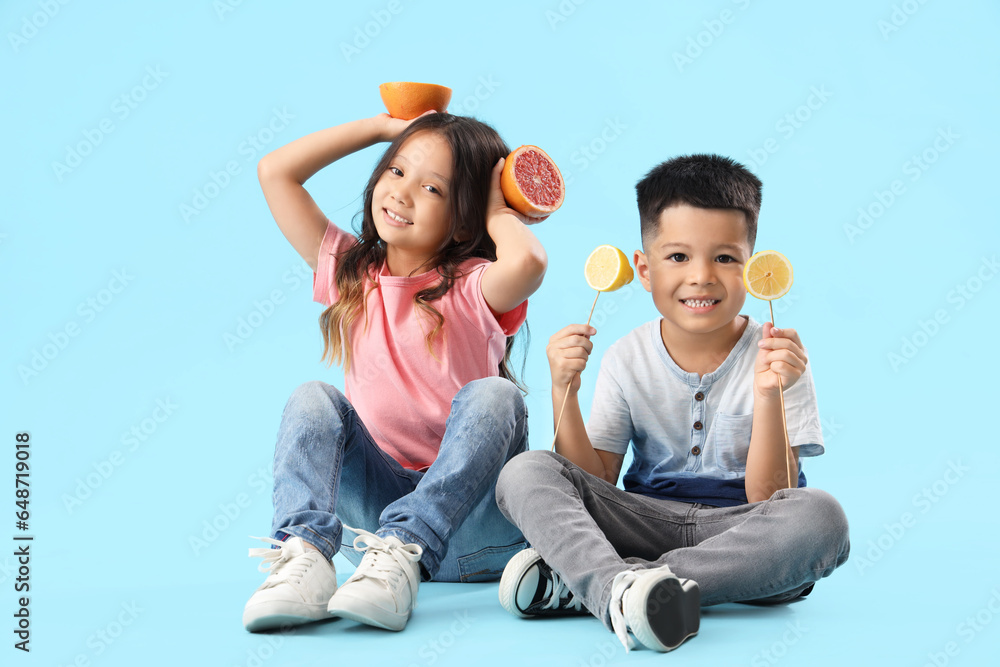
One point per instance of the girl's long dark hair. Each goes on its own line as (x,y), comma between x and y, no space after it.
(475,147)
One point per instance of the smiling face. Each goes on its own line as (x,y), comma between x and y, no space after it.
(411,204)
(694,269)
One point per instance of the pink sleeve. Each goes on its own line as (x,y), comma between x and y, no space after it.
(335,241)
(512,320)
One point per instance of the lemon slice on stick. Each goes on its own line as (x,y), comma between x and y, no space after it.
(768,276)
(607,269)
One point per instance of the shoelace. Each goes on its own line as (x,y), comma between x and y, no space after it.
(387,561)
(276,561)
(559,589)
(619,586)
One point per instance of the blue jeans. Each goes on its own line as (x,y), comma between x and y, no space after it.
(328,471)
(588,531)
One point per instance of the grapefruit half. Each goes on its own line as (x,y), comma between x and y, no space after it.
(408,99)
(531,182)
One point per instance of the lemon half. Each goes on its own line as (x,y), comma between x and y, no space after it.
(608,269)
(768,275)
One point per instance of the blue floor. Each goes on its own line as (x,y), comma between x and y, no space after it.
(454,624)
(846,620)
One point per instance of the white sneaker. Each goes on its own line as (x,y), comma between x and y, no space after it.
(659,609)
(297,590)
(383,590)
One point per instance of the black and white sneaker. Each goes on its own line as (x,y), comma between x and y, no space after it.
(530,588)
(654,607)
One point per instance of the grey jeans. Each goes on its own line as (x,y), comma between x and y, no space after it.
(588,531)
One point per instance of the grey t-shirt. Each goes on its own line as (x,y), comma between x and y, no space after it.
(690,434)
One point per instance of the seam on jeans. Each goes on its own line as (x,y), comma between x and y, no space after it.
(641,510)
(310,530)
(723,518)
(479,477)
(351,412)
(604,602)
(492,549)
(338,463)
(826,568)
(390,462)
(691,526)
(426,557)
(410,538)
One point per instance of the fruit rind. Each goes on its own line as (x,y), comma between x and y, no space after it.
(512,192)
(623,274)
(779,260)
(409,99)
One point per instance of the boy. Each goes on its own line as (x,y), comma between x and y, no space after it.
(706,516)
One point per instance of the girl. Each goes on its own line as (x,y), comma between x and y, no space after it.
(421,309)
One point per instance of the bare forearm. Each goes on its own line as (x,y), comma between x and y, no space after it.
(573,441)
(766,470)
(302,158)
(516,243)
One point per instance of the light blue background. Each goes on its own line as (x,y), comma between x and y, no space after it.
(598,85)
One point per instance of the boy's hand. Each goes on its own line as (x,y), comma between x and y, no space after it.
(390,128)
(568,351)
(780,353)
(498,205)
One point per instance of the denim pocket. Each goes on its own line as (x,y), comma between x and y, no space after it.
(487,564)
(730,441)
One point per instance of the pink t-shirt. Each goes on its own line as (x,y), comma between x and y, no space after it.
(402,393)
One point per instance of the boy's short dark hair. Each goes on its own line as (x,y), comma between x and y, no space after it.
(705,181)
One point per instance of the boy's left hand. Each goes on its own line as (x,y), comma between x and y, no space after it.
(498,205)
(779,353)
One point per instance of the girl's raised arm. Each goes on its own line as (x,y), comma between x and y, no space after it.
(521,260)
(283,172)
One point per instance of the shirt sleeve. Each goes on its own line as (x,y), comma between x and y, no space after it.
(512,320)
(802,416)
(335,241)
(610,426)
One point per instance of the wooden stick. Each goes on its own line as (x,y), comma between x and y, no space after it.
(566,395)
(784,424)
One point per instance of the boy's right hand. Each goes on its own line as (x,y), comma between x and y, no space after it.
(568,351)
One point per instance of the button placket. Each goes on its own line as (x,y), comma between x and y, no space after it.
(698,430)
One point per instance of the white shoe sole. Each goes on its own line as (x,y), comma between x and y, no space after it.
(362,611)
(511,578)
(273,615)
(664,613)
